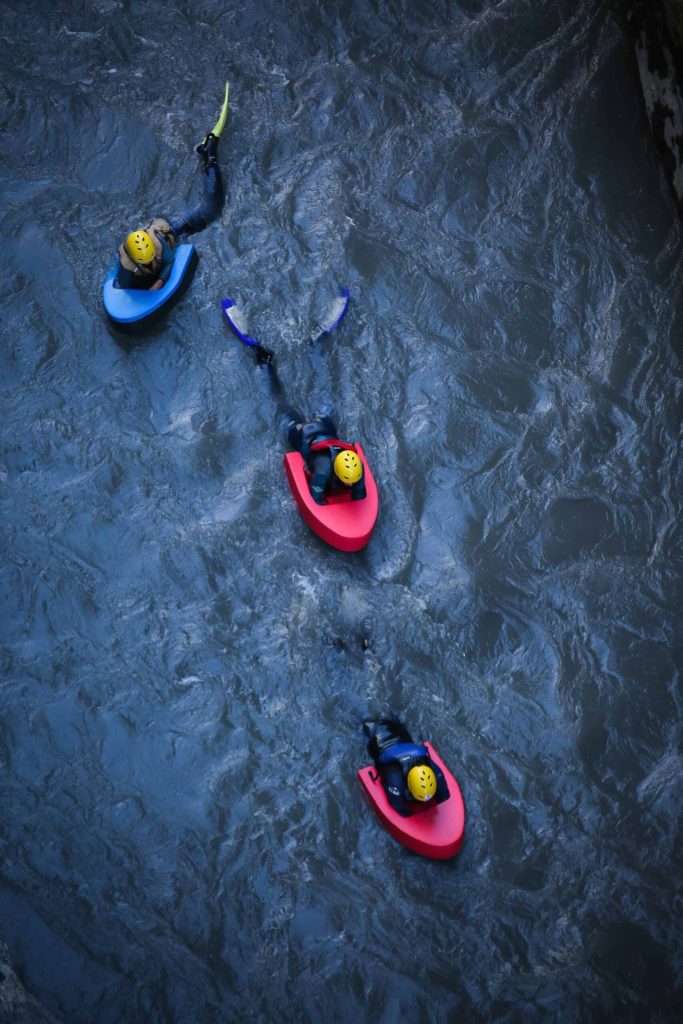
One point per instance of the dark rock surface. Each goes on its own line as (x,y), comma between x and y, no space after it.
(17,1006)
(657,32)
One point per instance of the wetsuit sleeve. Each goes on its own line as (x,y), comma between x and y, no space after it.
(358,491)
(392,780)
(320,470)
(127,279)
(167,257)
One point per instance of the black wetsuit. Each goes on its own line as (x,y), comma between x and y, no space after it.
(195,219)
(301,436)
(394,753)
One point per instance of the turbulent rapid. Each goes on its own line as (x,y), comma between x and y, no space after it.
(186,667)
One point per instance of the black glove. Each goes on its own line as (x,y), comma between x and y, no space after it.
(264,357)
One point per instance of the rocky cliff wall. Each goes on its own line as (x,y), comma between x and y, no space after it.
(17,1006)
(656,29)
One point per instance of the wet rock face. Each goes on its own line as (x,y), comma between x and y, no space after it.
(16,1005)
(657,30)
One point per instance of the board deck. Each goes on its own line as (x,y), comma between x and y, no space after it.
(344,524)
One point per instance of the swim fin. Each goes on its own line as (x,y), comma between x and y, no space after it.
(217,129)
(204,148)
(333,316)
(236,320)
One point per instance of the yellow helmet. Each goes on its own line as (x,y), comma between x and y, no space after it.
(348,467)
(140,247)
(422,782)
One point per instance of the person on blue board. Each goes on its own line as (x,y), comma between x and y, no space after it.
(409,776)
(146,256)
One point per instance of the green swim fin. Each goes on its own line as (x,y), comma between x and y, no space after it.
(207,147)
(220,123)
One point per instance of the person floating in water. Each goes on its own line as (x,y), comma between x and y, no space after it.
(409,776)
(333,465)
(146,256)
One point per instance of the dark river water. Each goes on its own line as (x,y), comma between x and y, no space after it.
(185,666)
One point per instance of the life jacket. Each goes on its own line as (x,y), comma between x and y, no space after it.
(331,442)
(407,755)
(403,753)
(158,230)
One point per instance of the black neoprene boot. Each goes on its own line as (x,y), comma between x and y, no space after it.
(207,149)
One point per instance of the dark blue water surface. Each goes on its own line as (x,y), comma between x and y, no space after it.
(185,666)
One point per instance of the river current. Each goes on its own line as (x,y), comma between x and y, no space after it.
(186,667)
